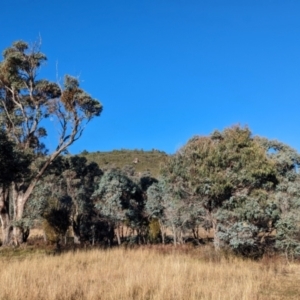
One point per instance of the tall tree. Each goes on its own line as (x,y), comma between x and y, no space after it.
(218,179)
(25,102)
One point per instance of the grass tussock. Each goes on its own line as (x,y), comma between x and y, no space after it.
(146,273)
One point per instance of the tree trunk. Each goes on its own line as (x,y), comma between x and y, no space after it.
(174,235)
(162,230)
(196,233)
(110,234)
(18,199)
(76,239)
(17,236)
(118,235)
(180,237)
(76,229)
(5,217)
(6,228)
(15,199)
(216,237)
(138,233)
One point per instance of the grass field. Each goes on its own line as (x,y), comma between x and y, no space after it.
(145,273)
(146,160)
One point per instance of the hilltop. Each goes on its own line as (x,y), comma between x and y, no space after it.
(141,160)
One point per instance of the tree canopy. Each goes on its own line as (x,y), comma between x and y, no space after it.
(242,190)
(25,101)
(231,182)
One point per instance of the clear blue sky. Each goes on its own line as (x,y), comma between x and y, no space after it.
(166,70)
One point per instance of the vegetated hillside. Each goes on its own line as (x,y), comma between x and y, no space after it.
(140,160)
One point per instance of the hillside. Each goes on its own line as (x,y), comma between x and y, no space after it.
(141,160)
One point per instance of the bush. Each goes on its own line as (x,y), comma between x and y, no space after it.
(154,231)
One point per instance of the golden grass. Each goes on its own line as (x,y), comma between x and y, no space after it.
(145,273)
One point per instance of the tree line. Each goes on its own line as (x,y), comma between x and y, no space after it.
(243,189)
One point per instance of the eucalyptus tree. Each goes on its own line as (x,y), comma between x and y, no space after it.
(69,181)
(248,212)
(81,180)
(155,206)
(25,102)
(287,196)
(220,179)
(288,225)
(170,210)
(119,201)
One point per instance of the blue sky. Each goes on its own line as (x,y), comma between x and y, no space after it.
(166,70)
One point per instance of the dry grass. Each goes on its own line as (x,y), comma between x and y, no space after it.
(146,273)
(147,160)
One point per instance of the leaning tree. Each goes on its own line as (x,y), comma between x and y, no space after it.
(25,102)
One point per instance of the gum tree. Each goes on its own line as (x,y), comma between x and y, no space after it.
(80,178)
(170,210)
(25,101)
(220,179)
(119,201)
(70,180)
(287,196)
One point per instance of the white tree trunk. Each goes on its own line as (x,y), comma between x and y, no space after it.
(174,235)
(216,237)
(6,228)
(5,217)
(118,235)
(19,202)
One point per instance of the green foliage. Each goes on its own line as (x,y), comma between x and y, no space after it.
(288,236)
(245,188)
(68,178)
(81,180)
(118,198)
(154,231)
(14,164)
(286,196)
(165,204)
(225,182)
(155,206)
(25,101)
(288,226)
(57,218)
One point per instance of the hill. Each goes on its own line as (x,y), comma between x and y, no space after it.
(140,160)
